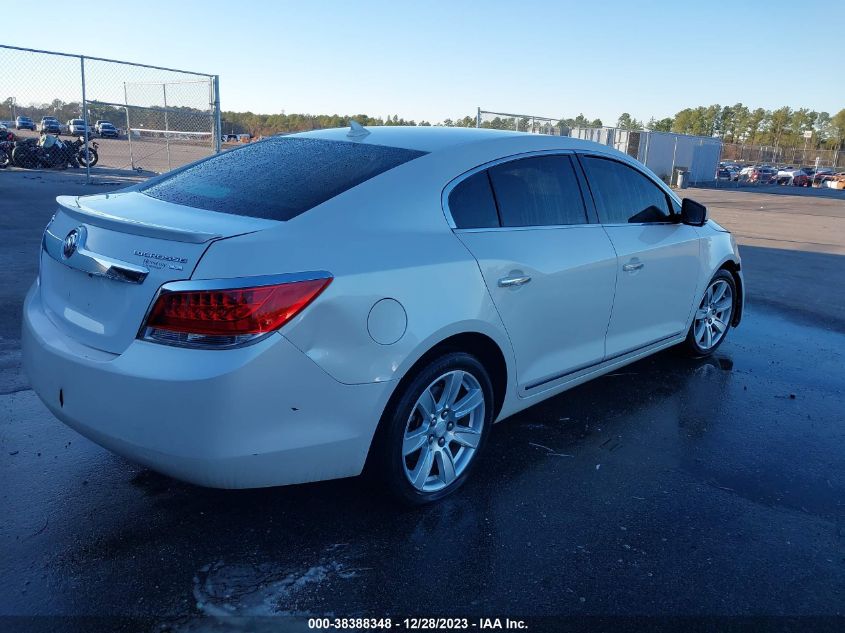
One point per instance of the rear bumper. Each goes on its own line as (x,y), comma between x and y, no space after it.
(261,415)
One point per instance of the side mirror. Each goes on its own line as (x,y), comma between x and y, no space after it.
(693,213)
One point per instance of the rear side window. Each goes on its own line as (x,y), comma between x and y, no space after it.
(278,178)
(623,195)
(472,205)
(538,191)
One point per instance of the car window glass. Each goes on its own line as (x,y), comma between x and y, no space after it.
(472,205)
(624,195)
(277,178)
(538,191)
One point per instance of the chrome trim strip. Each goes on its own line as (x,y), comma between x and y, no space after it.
(614,224)
(90,262)
(241,282)
(609,359)
(543,227)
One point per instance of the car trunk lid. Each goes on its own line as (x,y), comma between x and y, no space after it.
(104,257)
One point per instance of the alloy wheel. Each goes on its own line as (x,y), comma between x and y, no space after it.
(443,431)
(713,315)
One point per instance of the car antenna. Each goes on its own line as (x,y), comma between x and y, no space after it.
(356,130)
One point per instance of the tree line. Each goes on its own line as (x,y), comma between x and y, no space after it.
(783,127)
(738,123)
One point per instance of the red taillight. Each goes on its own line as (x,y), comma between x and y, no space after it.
(228,316)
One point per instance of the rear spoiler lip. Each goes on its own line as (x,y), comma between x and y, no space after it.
(70,204)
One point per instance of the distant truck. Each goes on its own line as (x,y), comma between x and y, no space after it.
(50,125)
(76,127)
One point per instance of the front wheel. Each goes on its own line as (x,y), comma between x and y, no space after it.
(431,436)
(92,157)
(712,319)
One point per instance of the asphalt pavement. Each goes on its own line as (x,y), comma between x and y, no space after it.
(668,488)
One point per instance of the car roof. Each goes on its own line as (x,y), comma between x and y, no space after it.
(436,138)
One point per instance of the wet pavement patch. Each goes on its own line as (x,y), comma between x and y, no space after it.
(671,486)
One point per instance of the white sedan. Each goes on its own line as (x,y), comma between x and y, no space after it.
(308,305)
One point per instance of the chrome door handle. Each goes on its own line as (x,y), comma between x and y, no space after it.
(510,282)
(628,268)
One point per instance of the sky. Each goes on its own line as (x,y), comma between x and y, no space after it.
(436,60)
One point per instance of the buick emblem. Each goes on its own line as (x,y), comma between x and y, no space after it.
(70,243)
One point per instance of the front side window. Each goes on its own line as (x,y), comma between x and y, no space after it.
(623,195)
(278,178)
(538,191)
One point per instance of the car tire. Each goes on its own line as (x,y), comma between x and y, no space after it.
(712,319)
(419,458)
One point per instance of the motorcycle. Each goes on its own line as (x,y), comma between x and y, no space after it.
(32,154)
(7,144)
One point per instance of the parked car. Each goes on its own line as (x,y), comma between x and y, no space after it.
(819,175)
(24,123)
(107,130)
(100,123)
(49,125)
(763,175)
(377,297)
(794,177)
(727,171)
(76,127)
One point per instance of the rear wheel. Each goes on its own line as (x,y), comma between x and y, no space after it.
(712,319)
(431,436)
(24,155)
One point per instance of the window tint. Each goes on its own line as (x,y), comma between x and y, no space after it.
(623,195)
(278,178)
(472,205)
(538,191)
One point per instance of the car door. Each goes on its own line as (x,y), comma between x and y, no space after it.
(551,273)
(657,257)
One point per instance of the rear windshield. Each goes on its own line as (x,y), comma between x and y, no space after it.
(277,178)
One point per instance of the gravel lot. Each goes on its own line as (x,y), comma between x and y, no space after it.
(670,487)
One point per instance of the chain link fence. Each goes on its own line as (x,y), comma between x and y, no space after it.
(784,156)
(142,117)
(520,123)
(666,154)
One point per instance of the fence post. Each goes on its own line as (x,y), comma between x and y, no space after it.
(129,140)
(674,152)
(166,126)
(218,132)
(478,118)
(128,129)
(85,121)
